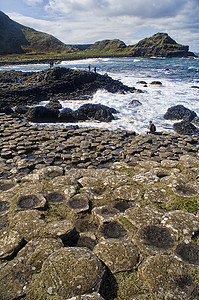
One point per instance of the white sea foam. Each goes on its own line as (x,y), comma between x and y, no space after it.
(177,77)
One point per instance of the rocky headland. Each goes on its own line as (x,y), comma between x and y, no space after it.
(22,43)
(89,213)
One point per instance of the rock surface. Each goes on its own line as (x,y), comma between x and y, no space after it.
(108,200)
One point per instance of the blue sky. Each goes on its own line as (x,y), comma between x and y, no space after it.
(88,21)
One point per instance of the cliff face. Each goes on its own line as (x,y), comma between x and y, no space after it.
(16,38)
(159,45)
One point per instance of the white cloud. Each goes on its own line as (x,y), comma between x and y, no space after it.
(33,2)
(87,21)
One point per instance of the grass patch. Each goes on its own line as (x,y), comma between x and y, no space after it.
(186,204)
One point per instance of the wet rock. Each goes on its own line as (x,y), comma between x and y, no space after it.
(155,269)
(5,108)
(21,109)
(181,223)
(185,127)
(156,83)
(135,103)
(70,272)
(94,111)
(113,230)
(104,213)
(179,112)
(117,255)
(140,217)
(10,243)
(79,203)
(54,104)
(42,114)
(66,115)
(33,201)
(141,82)
(154,239)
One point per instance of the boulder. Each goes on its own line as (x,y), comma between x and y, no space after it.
(21,109)
(54,104)
(179,112)
(185,127)
(5,108)
(66,115)
(41,114)
(156,83)
(135,103)
(69,272)
(98,112)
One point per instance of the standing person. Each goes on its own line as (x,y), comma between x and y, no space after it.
(89,67)
(95,69)
(152,128)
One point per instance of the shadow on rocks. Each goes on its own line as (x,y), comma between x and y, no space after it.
(109,287)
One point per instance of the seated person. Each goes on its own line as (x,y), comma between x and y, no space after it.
(152,128)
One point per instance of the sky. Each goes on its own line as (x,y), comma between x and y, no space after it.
(88,21)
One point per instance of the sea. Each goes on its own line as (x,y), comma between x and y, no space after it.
(180,85)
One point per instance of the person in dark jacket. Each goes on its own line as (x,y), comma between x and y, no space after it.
(152,128)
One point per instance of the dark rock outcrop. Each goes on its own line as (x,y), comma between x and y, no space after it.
(66,115)
(179,112)
(42,114)
(185,127)
(62,82)
(94,112)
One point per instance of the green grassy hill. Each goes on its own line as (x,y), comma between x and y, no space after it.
(21,43)
(16,38)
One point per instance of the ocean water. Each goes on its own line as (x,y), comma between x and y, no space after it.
(177,76)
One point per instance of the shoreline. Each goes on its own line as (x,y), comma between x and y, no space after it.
(57,59)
